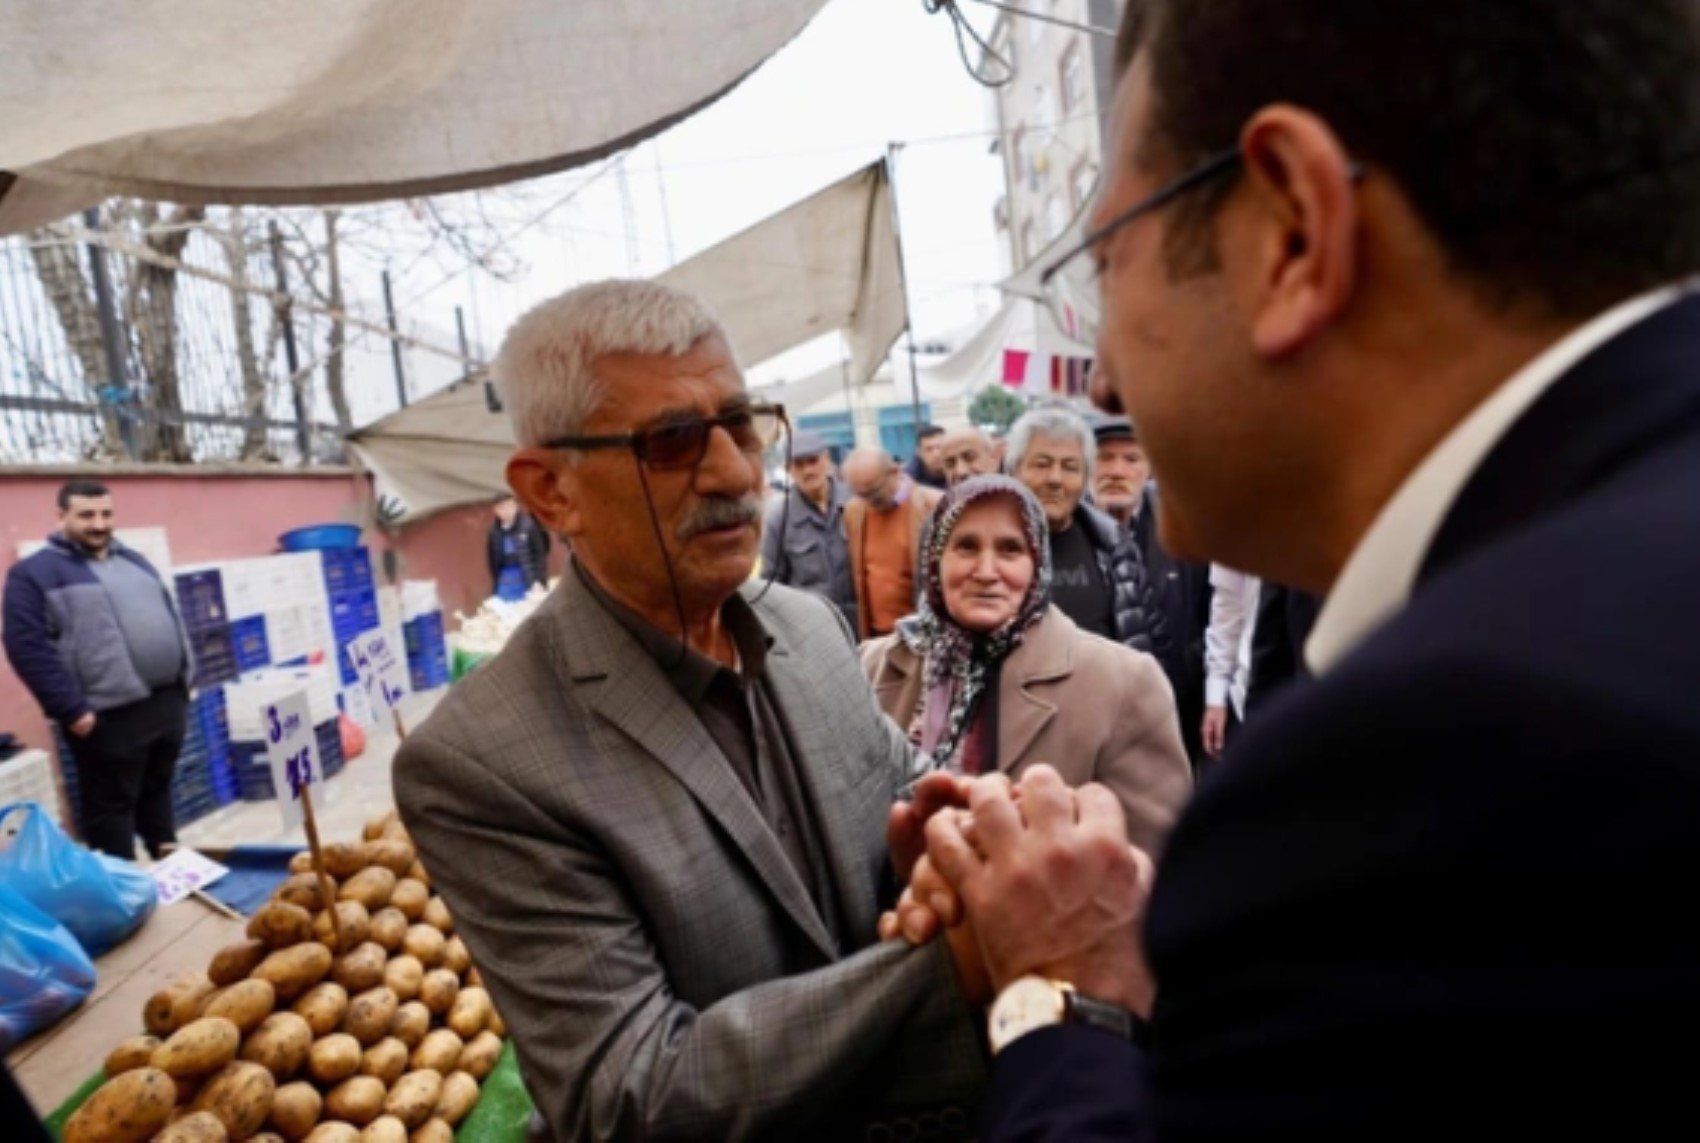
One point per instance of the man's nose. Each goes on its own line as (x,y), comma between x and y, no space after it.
(725,468)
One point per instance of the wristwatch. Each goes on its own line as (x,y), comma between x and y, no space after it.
(1032,1002)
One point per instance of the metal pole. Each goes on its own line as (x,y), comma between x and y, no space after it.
(492,399)
(903,279)
(116,391)
(286,317)
(395,343)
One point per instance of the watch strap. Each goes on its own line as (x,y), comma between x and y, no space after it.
(1106,1017)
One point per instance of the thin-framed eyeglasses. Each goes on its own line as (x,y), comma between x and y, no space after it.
(754,428)
(1215,165)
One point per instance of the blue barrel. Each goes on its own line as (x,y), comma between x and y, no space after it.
(316,537)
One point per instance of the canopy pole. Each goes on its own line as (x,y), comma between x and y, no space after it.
(891,150)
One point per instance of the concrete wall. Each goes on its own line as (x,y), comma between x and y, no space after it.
(211,513)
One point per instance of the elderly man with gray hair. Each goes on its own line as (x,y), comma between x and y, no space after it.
(660,815)
(1100,580)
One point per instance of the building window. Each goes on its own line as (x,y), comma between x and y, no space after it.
(1073,72)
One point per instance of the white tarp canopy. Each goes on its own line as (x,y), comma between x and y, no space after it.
(830,262)
(324,101)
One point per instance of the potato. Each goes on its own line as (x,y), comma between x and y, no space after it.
(198,1048)
(303,889)
(417,872)
(474,978)
(388,927)
(176,1004)
(244,1003)
(356,1100)
(396,830)
(471,1012)
(425,944)
(301,863)
(131,1054)
(356,924)
(497,1024)
(374,827)
(187,1088)
(235,962)
(414,1097)
(434,1131)
(281,924)
(125,1109)
(478,1058)
(369,1015)
(280,1044)
(334,1133)
(240,1095)
(371,887)
(438,990)
(333,1058)
(343,859)
(361,969)
(455,957)
(323,1007)
(460,1093)
(199,1127)
(438,1051)
(387,1060)
(385,1129)
(410,897)
(412,1021)
(295,1109)
(266,1137)
(392,853)
(437,916)
(293,971)
(404,976)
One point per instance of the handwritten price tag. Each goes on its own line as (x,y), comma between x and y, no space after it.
(292,751)
(182,873)
(383,675)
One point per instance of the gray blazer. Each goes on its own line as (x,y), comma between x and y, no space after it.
(663,969)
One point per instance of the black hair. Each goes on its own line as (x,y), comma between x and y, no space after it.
(927,432)
(1552,147)
(82,486)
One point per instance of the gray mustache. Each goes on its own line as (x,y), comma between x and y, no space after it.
(720,514)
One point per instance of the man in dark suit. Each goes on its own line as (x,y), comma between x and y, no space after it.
(1424,348)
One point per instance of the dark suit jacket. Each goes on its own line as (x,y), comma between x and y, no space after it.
(1285,616)
(1443,890)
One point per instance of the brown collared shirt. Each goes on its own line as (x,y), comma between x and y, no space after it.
(738,710)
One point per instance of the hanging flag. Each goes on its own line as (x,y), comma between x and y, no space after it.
(1021,369)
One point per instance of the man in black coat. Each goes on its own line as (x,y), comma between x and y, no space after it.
(517,550)
(1426,349)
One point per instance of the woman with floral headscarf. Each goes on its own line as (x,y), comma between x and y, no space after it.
(989,675)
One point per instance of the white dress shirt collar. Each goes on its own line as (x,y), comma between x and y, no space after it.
(1381,572)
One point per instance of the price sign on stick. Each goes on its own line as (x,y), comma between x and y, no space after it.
(383,675)
(293,752)
(183,873)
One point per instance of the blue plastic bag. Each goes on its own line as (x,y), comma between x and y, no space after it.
(100,899)
(44,973)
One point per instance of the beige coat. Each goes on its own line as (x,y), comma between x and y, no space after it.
(1095,710)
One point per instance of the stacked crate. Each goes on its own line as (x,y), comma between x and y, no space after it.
(423,635)
(353,600)
(200,600)
(247,698)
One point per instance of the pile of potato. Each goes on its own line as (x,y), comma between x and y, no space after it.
(381,1037)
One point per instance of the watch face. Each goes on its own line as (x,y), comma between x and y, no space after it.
(1029,1003)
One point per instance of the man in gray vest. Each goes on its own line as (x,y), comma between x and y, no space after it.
(804,544)
(94,634)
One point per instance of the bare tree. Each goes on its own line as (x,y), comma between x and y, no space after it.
(72,298)
(256,384)
(152,308)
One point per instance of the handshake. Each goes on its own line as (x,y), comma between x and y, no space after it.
(1024,878)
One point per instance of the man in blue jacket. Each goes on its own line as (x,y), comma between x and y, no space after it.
(93,632)
(1401,297)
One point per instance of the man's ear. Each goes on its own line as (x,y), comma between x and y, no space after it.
(548,486)
(1300,226)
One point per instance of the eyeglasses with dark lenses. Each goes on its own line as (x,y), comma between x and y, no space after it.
(753,428)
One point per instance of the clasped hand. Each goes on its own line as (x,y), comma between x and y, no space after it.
(1025,878)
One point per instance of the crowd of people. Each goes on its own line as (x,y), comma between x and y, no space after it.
(916,851)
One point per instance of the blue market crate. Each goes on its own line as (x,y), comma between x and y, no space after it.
(200,598)
(346,569)
(248,641)
(214,655)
